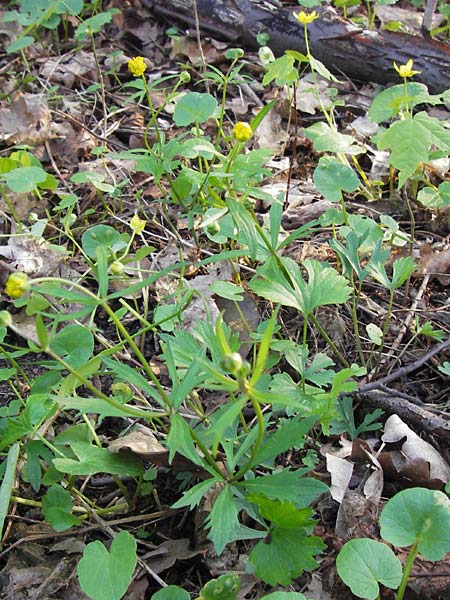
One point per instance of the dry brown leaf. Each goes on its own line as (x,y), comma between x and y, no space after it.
(414,447)
(167,553)
(26,120)
(434,263)
(70,68)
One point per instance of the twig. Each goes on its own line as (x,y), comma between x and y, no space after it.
(407,322)
(402,371)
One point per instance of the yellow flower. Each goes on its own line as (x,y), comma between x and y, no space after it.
(242,132)
(406,70)
(137,66)
(304,18)
(137,224)
(17,285)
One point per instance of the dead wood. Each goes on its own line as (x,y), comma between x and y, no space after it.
(343,48)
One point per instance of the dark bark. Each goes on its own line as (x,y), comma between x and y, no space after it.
(344,49)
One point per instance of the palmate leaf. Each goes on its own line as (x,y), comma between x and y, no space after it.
(285,556)
(286,485)
(287,287)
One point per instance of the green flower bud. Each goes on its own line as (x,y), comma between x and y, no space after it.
(185,77)
(116,267)
(232,363)
(5,318)
(213,228)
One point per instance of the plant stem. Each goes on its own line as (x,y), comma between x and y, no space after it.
(407,570)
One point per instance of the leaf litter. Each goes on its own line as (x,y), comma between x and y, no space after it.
(28,120)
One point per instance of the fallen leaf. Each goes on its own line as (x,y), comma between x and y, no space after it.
(26,120)
(414,447)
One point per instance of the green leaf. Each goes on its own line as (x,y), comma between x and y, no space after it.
(331,178)
(180,440)
(324,286)
(290,432)
(226,289)
(282,558)
(374,333)
(283,514)
(74,343)
(445,368)
(431,198)
(363,563)
(25,179)
(193,496)
(223,521)
(20,44)
(171,592)
(106,575)
(194,107)
(392,100)
(57,508)
(418,515)
(8,483)
(282,70)
(286,485)
(225,587)
(94,24)
(328,139)
(92,459)
(100,235)
(284,596)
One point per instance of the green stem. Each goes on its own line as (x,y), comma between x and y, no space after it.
(385,326)
(261,430)
(407,570)
(329,341)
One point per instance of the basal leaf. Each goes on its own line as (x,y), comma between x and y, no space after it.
(418,515)
(57,508)
(106,575)
(194,107)
(331,178)
(363,563)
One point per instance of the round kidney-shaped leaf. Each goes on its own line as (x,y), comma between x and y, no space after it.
(363,563)
(418,515)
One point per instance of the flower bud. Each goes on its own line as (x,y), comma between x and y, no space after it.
(242,132)
(185,77)
(232,362)
(116,267)
(5,318)
(17,285)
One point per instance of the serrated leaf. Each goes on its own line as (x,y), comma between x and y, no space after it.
(324,285)
(180,440)
(106,575)
(286,486)
(57,508)
(194,496)
(285,515)
(223,521)
(92,459)
(291,432)
(282,558)
(363,563)
(392,100)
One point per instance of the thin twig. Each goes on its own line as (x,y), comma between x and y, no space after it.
(402,371)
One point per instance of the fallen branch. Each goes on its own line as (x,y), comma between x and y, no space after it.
(343,48)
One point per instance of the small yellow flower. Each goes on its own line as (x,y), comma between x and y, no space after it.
(304,18)
(137,224)
(406,70)
(17,285)
(242,132)
(137,66)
